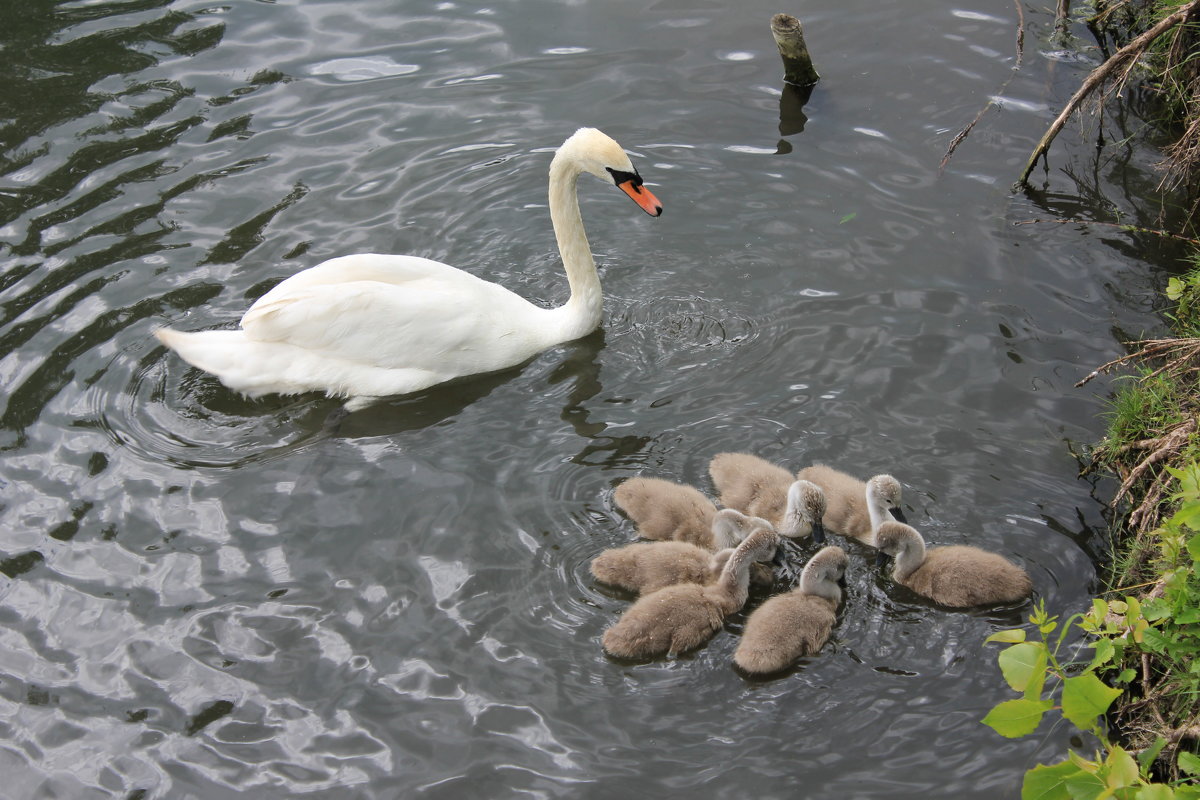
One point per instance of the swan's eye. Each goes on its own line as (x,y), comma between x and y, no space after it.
(620,176)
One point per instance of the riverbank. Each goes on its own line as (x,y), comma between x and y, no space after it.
(1153,447)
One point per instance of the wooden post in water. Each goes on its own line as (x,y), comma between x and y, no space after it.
(789,38)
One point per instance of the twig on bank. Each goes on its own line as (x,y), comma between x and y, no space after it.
(965,132)
(1097,77)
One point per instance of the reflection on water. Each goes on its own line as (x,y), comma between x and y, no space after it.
(207,596)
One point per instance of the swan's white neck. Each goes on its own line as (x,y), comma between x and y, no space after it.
(582,312)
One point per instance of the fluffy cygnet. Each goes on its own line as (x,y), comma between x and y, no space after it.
(762,489)
(956,576)
(854,508)
(684,616)
(797,623)
(645,567)
(669,511)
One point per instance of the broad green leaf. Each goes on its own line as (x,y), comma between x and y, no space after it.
(1188,616)
(1133,609)
(1023,663)
(1099,609)
(1011,636)
(1156,609)
(1127,675)
(1189,763)
(1193,545)
(1122,769)
(1086,786)
(1014,718)
(1188,516)
(1104,653)
(1155,791)
(1186,792)
(1084,698)
(1048,782)
(1147,756)
(1174,288)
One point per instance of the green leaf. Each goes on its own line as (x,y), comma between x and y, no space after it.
(1193,545)
(1048,782)
(848,217)
(1024,663)
(1147,756)
(1174,288)
(1086,786)
(1122,769)
(1155,791)
(1084,698)
(1127,675)
(1104,653)
(1099,609)
(1011,636)
(1189,763)
(1156,609)
(1014,718)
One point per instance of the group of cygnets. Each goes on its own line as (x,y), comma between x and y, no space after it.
(698,568)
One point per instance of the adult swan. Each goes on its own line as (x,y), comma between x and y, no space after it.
(365,327)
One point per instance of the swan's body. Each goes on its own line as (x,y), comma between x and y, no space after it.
(683,617)
(755,486)
(854,508)
(667,511)
(364,327)
(795,624)
(956,576)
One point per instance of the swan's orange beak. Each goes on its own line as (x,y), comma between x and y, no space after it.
(642,196)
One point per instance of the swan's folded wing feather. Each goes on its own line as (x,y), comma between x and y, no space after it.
(418,324)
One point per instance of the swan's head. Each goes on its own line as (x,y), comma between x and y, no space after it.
(894,538)
(592,151)
(805,512)
(887,490)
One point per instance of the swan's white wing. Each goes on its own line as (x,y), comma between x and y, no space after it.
(448,328)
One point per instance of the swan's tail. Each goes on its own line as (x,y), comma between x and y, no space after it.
(236,360)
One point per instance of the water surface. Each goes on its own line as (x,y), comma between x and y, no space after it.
(204,596)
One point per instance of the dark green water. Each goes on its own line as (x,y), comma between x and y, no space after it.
(203,596)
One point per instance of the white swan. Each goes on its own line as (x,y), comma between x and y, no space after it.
(369,326)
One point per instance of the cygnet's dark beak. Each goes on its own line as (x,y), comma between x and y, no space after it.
(881,560)
(818,530)
(897,514)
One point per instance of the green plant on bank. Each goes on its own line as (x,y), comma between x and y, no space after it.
(1165,624)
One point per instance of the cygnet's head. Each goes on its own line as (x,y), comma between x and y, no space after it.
(730,527)
(761,543)
(805,512)
(824,572)
(893,538)
(887,489)
(829,563)
(594,151)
